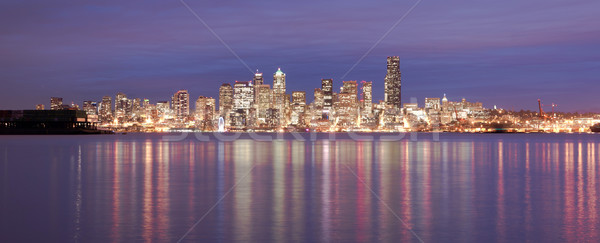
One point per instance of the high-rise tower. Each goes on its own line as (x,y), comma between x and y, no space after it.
(258,78)
(225,100)
(279,82)
(327,89)
(181,104)
(393,84)
(367,97)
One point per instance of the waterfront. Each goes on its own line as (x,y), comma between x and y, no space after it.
(464,187)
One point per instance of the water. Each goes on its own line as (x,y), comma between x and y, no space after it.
(138,187)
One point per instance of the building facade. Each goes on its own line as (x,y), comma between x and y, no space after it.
(393,84)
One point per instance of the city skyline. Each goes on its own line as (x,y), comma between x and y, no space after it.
(480,51)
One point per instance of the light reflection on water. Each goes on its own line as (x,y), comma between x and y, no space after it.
(475,188)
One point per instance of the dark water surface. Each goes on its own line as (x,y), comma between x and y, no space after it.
(463,188)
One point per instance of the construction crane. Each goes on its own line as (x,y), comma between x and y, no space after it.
(542,114)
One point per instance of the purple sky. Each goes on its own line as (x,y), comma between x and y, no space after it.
(505,53)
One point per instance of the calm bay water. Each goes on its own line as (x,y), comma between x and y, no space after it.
(139,187)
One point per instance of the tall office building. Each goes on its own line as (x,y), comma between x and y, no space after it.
(121,105)
(279,98)
(432,104)
(393,83)
(367,97)
(262,101)
(90,107)
(243,95)
(298,107)
(318,102)
(205,111)
(106,109)
(347,104)
(225,100)
(258,78)
(279,82)
(163,108)
(327,89)
(56,103)
(181,104)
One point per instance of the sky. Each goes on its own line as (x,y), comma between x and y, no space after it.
(504,53)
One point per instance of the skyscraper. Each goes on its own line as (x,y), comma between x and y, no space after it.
(106,109)
(327,89)
(121,105)
(225,100)
(298,107)
(56,103)
(262,101)
(90,107)
(393,83)
(347,104)
(181,104)
(318,102)
(258,78)
(367,97)
(243,95)
(205,111)
(279,82)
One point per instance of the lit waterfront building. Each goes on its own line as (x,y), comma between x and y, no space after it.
(121,105)
(105,110)
(243,95)
(181,104)
(298,108)
(318,102)
(56,103)
(346,108)
(90,107)
(433,108)
(39,107)
(163,109)
(243,99)
(262,102)
(136,107)
(279,99)
(316,107)
(432,104)
(367,119)
(273,118)
(327,89)
(393,83)
(279,82)
(367,97)
(205,111)
(225,101)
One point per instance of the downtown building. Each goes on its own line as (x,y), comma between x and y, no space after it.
(56,103)
(105,114)
(205,113)
(225,101)
(298,108)
(346,106)
(262,103)
(280,99)
(393,84)
(181,104)
(243,99)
